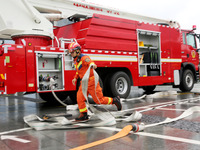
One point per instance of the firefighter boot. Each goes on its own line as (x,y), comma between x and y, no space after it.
(82,117)
(116,101)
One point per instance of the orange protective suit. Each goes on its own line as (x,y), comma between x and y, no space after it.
(82,64)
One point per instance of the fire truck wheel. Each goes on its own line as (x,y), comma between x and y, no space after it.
(101,83)
(73,96)
(149,89)
(120,84)
(48,97)
(106,86)
(187,81)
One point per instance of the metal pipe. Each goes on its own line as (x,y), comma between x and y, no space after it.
(36,19)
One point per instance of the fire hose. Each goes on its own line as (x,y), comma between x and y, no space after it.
(107,118)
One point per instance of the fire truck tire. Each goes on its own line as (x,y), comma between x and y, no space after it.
(187,81)
(48,97)
(73,94)
(73,97)
(101,83)
(106,86)
(120,84)
(148,89)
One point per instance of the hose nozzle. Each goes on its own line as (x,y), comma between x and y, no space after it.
(138,127)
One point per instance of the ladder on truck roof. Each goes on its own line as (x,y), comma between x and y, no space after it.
(56,9)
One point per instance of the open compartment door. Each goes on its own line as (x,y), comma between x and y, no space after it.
(49,65)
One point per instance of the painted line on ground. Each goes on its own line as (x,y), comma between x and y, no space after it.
(164,137)
(167,137)
(163,104)
(12,131)
(13,138)
(196,104)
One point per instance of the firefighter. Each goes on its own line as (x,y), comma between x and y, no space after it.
(82,63)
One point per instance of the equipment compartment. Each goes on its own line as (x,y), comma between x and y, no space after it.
(49,65)
(149,53)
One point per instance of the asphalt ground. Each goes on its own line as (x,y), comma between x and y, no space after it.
(182,134)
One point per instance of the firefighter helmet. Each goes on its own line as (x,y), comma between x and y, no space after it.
(73,47)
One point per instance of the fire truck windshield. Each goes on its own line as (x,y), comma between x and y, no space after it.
(191,40)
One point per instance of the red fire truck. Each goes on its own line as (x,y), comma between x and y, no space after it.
(129,50)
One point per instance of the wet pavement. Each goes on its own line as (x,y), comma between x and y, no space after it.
(182,134)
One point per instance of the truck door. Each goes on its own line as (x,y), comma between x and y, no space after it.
(165,54)
(13,70)
(190,53)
